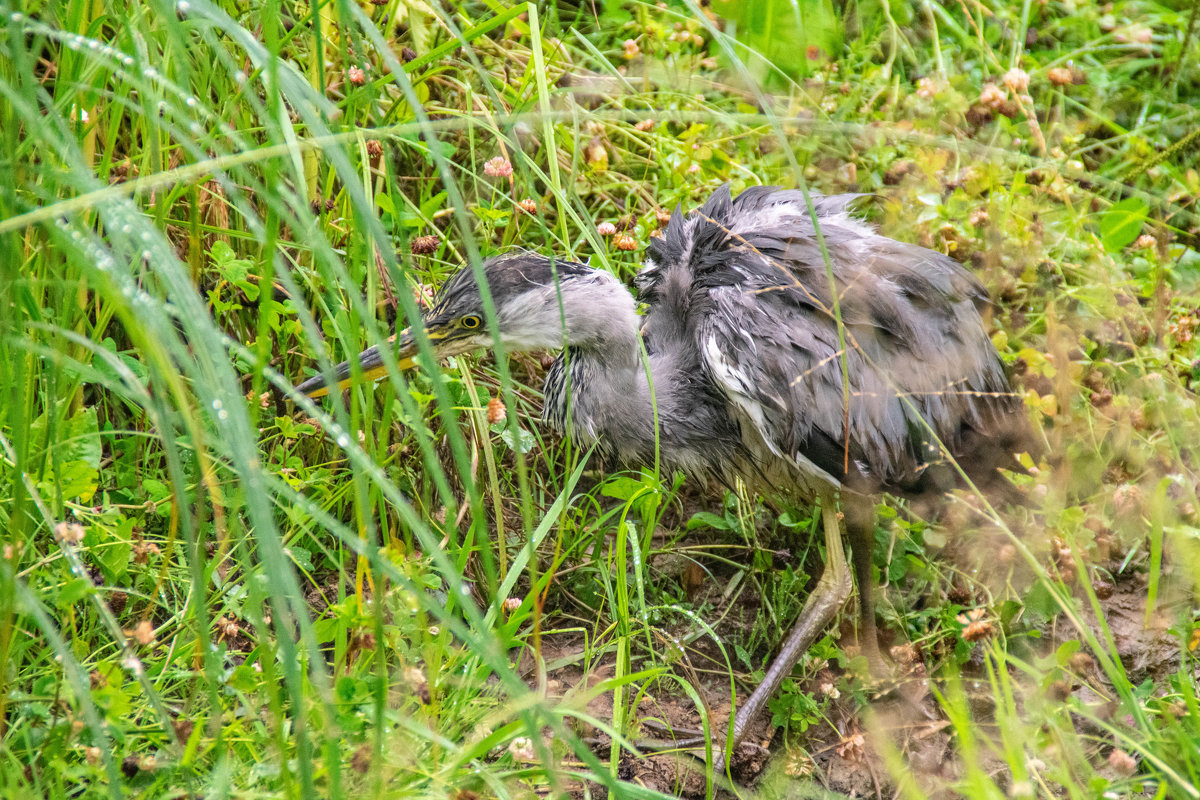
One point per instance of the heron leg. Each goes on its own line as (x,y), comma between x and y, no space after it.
(860,530)
(822,606)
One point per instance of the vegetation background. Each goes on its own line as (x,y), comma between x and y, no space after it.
(213,588)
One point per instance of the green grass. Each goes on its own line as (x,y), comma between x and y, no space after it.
(210,589)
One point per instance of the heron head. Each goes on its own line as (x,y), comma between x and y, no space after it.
(525,290)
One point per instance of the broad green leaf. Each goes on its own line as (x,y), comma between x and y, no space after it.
(1066,650)
(706,519)
(1122,223)
(621,488)
(113,552)
(73,591)
(518,439)
(74,455)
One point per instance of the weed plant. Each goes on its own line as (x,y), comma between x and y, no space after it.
(212,586)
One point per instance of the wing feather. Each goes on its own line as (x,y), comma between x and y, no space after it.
(745,279)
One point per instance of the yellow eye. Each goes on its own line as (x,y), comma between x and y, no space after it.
(471,323)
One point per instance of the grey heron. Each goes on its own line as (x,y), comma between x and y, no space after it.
(822,361)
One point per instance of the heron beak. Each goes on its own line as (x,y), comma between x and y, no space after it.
(371,364)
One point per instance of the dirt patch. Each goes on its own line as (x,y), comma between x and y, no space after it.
(843,755)
(1145,643)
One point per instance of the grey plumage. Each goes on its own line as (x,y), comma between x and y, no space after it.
(744,354)
(741,289)
(746,366)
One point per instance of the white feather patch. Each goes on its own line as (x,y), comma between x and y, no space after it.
(735,384)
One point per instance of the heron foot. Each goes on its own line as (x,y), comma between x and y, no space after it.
(693,742)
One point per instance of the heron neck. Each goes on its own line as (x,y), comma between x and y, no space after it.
(603,337)
(601,392)
(597,391)
(610,400)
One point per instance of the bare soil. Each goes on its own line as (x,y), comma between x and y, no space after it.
(844,756)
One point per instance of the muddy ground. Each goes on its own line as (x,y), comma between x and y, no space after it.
(844,754)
